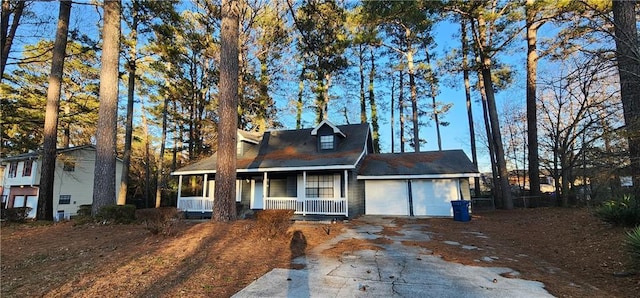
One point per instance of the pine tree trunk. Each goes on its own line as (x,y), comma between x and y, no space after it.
(128,136)
(126,159)
(8,33)
(414,103)
(496,135)
(47,176)
(432,93)
(374,107)
(532,119)
(363,103)
(300,103)
(224,208)
(628,56)
(467,92)
(392,108)
(160,173)
(104,185)
(401,111)
(496,187)
(503,179)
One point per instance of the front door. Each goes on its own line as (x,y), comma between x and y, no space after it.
(257,201)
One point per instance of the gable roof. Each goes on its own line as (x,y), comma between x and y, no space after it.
(251,137)
(291,150)
(432,164)
(336,130)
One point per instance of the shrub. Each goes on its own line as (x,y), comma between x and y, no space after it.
(159,220)
(623,212)
(273,223)
(84,210)
(633,245)
(119,214)
(18,214)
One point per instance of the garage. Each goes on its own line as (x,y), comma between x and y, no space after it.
(416,184)
(428,197)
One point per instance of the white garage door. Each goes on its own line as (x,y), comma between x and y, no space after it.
(433,197)
(386,197)
(430,197)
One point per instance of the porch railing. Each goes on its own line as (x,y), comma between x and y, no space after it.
(333,206)
(195,204)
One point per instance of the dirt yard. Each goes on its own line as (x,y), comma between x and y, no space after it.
(569,250)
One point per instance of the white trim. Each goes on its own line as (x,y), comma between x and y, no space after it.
(242,138)
(265,184)
(179,188)
(346,192)
(204,185)
(280,169)
(336,130)
(429,176)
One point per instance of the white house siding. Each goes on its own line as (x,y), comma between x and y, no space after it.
(22,180)
(78,183)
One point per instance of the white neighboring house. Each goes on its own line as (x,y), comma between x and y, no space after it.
(72,186)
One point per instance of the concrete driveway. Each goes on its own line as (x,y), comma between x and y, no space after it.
(394,271)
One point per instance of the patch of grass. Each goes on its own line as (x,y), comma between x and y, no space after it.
(622,212)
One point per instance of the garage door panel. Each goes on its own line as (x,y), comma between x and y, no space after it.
(386,197)
(433,197)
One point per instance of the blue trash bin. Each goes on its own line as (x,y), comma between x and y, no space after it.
(461,210)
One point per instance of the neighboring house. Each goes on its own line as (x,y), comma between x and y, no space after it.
(331,170)
(73,180)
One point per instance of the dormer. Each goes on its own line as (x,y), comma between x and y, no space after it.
(327,135)
(245,141)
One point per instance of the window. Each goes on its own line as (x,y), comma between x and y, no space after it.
(26,170)
(69,166)
(65,199)
(319,186)
(13,169)
(326,142)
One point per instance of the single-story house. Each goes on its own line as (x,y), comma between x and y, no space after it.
(72,186)
(331,170)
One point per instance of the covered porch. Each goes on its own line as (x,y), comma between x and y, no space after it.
(305,192)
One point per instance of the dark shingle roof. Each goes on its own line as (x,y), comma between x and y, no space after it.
(283,149)
(421,163)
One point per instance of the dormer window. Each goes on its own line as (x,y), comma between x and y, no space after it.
(326,142)
(326,134)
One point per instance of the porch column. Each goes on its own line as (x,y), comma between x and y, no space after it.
(264,191)
(179,190)
(304,191)
(204,186)
(346,193)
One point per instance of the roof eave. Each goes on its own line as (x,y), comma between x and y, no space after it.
(418,176)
